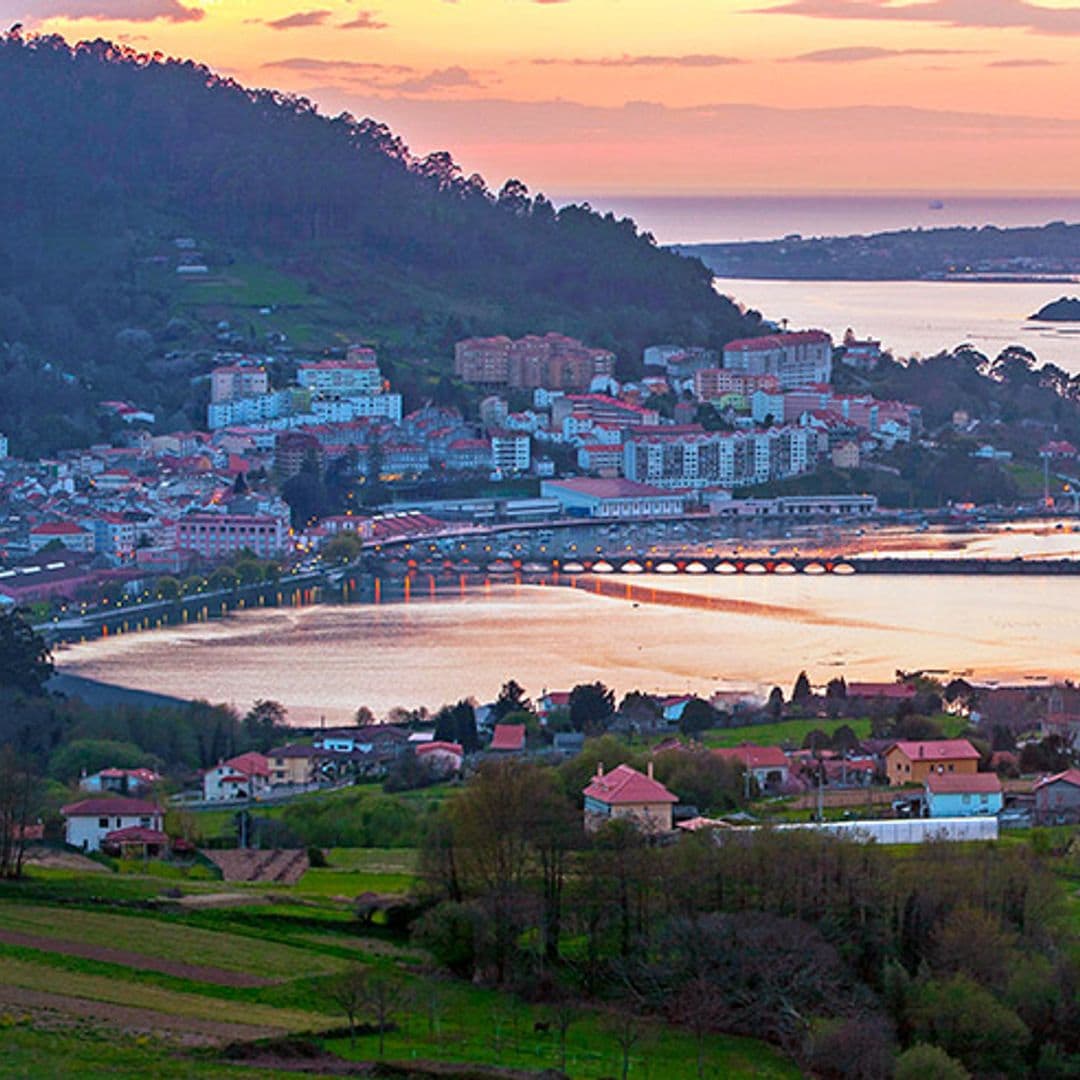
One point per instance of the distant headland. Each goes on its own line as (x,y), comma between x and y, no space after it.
(1066,309)
(1047,253)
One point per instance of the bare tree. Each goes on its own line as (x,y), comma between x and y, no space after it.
(16,794)
(562,1016)
(625,1029)
(383,998)
(348,991)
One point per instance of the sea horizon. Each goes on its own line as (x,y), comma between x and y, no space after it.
(730,218)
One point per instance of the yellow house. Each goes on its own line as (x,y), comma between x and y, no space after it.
(293,764)
(624,793)
(913,762)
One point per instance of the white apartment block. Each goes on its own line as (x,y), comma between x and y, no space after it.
(798,359)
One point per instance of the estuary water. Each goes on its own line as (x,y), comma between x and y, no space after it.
(920,318)
(666,633)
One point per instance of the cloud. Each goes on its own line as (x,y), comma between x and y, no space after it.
(298,20)
(691,60)
(1034,63)
(442,79)
(981,14)
(108,11)
(858,53)
(364,20)
(391,80)
(346,69)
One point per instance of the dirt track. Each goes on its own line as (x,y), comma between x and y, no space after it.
(139,961)
(189,1031)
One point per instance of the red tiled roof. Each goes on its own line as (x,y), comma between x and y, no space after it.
(936,750)
(251,764)
(439,744)
(57,528)
(110,808)
(778,341)
(957,784)
(755,757)
(1069,776)
(136,834)
(626,785)
(508,737)
(881,690)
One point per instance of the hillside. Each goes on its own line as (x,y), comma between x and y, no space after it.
(950,253)
(324,229)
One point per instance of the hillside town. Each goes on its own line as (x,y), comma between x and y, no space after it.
(693,434)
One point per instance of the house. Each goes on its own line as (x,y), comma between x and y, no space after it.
(568,743)
(441,757)
(1057,798)
(880,691)
(135,842)
(768,765)
(628,795)
(671,708)
(912,762)
(295,764)
(89,822)
(962,794)
(246,776)
(120,781)
(508,739)
(550,701)
(366,738)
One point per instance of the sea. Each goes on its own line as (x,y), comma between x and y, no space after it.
(684,219)
(911,318)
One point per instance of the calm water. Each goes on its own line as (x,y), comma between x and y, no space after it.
(662,632)
(729,218)
(920,317)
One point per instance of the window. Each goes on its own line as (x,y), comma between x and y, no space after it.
(103,822)
(119,822)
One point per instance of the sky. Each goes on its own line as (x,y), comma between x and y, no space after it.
(659,96)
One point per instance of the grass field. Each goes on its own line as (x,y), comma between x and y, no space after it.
(66,1001)
(793,732)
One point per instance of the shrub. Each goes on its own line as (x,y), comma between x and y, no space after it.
(925,1062)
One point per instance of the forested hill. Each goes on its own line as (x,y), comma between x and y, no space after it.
(108,155)
(934,254)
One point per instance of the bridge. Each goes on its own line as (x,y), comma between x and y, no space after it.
(527,564)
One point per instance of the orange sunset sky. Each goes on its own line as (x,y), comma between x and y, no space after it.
(660,96)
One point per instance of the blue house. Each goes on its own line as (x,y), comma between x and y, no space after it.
(962,795)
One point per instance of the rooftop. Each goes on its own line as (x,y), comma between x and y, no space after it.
(625,785)
(955,784)
(937,750)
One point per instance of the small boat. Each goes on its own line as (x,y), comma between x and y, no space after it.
(936,204)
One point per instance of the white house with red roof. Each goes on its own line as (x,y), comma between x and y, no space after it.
(768,765)
(442,757)
(72,536)
(90,823)
(246,776)
(628,795)
(550,701)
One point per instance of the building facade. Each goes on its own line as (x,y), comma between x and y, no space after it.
(796,359)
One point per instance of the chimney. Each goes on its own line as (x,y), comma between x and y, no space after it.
(649,769)
(599,768)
